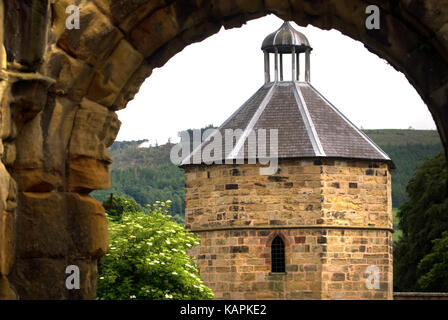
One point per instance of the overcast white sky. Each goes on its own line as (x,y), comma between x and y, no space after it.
(207,81)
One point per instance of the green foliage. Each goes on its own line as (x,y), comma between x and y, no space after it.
(434,267)
(399,137)
(147,185)
(120,205)
(396,223)
(406,148)
(423,218)
(407,158)
(147,259)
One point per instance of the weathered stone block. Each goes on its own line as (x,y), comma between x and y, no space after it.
(87,226)
(155,31)
(109,81)
(132,86)
(96,38)
(6,291)
(94,129)
(37,180)
(40,278)
(57,129)
(88,174)
(73,75)
(8,127)
(25,25)
(43,225)
(88,269)
(29,144)
(7,242)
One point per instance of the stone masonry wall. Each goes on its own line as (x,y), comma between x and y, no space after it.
(60,88)
(334,217)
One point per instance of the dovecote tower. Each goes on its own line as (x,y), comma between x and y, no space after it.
(320,227)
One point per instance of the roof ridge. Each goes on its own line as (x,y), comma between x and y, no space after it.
(356,129)
(309,124)
(252,122)
(203,143)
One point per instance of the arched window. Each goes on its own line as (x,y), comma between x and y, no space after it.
(278,255)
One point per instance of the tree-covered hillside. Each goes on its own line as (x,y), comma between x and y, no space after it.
(147,174)
(407,149)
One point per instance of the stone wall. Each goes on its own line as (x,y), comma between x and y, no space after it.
(334,216)
(53,155)
(60,88)
(420,296)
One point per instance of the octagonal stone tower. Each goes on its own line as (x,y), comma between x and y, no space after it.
(320,227)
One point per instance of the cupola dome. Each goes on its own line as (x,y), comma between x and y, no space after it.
(285,39)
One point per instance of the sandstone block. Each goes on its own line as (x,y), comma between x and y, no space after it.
(8,127)
(94,129)
(87,174)
(25,29)
(5,186)
(132,86)
(96,38)
(128,13)
(115,73)
(43,225)
(31,170)
(58,26)
(155,31)
(6,291)
(58,129)
(7,242)
(9,153)
(29,144)
(37,180)
(88,269)
(87,226)
(28,97)
(40,278)
(73,75)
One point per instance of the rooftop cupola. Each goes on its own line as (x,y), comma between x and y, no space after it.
(286,41)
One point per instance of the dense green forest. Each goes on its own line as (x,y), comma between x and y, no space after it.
(147,174)
(421,252)
(407,149)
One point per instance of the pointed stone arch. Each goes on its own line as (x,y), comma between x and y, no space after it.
(60,91)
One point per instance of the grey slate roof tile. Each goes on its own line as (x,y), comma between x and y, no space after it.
(308,125)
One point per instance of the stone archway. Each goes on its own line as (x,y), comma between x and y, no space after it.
(60,89)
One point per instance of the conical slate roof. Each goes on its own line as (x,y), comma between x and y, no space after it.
(308,125)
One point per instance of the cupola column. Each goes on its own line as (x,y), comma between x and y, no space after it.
(307,65)
(293,64)
(267,71)
(281,67)
(276,65)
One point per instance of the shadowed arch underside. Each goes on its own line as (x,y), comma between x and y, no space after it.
(60,89)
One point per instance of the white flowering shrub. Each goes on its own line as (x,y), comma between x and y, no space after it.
(147,259)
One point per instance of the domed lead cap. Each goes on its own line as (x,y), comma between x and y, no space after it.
(284,39)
